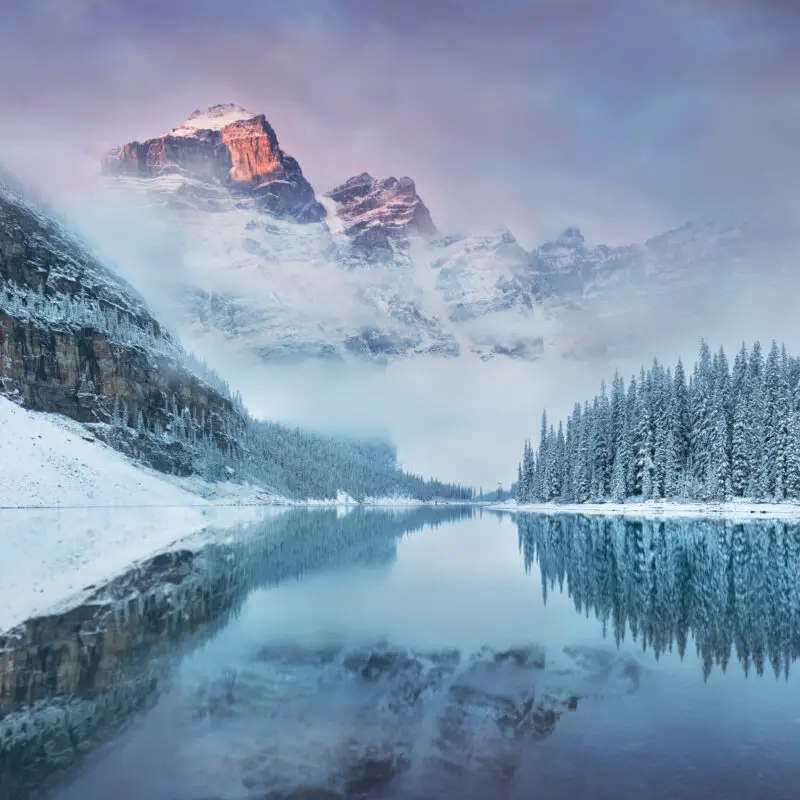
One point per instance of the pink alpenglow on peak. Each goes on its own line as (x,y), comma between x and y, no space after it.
(225,145)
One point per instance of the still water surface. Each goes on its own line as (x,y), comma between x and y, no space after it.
(422,654)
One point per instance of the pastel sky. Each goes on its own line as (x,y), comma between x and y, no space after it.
(624,117)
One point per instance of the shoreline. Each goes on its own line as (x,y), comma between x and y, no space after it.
(50,561)
(733,510)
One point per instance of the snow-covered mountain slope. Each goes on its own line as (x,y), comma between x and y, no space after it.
(700,276)
(212,119)
(60,463)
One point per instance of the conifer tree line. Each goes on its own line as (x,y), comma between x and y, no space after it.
(721,432)
(286,460)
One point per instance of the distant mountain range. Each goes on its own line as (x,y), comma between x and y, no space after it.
(361,271)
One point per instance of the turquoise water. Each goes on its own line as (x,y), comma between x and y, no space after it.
(458,654)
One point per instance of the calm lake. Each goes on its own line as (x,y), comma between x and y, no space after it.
(438,652)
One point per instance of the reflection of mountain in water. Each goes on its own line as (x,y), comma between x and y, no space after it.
(730,586)
(69,681)
(386,721)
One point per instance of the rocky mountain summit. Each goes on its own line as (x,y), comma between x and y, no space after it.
(230,146)
(362,272)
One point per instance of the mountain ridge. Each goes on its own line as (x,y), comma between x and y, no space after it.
(368,275)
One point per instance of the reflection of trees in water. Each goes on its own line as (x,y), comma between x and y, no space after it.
(734,587)
(69,681)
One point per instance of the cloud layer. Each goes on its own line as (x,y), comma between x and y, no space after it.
(624,117)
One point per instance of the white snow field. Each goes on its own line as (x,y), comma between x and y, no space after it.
(662,508)
(46,461)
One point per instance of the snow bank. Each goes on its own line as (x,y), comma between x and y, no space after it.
(662,508)
(51,558)
(49,461)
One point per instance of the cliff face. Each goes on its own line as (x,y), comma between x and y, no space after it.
(83,375)
(203,159)
(78,341)
(230,146)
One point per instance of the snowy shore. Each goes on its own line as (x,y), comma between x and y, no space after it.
(49,461)
(744,510)
(74,512)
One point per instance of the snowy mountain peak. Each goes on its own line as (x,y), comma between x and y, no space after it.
(214,118)
(563,252)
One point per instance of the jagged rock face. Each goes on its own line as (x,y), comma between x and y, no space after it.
(201,157)
(253,148)
(379,212)
(80,373)
(226,145)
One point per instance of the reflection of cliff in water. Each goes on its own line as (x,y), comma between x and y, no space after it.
(69,681)
(730,586)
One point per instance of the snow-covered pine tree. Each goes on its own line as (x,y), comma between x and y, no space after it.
(757,484)
(740,436)
(630,440)
(528,470)
(583,477)
(793,454)
(601,444)
(701,400)
(776,423)
(537,488)
(718,473)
